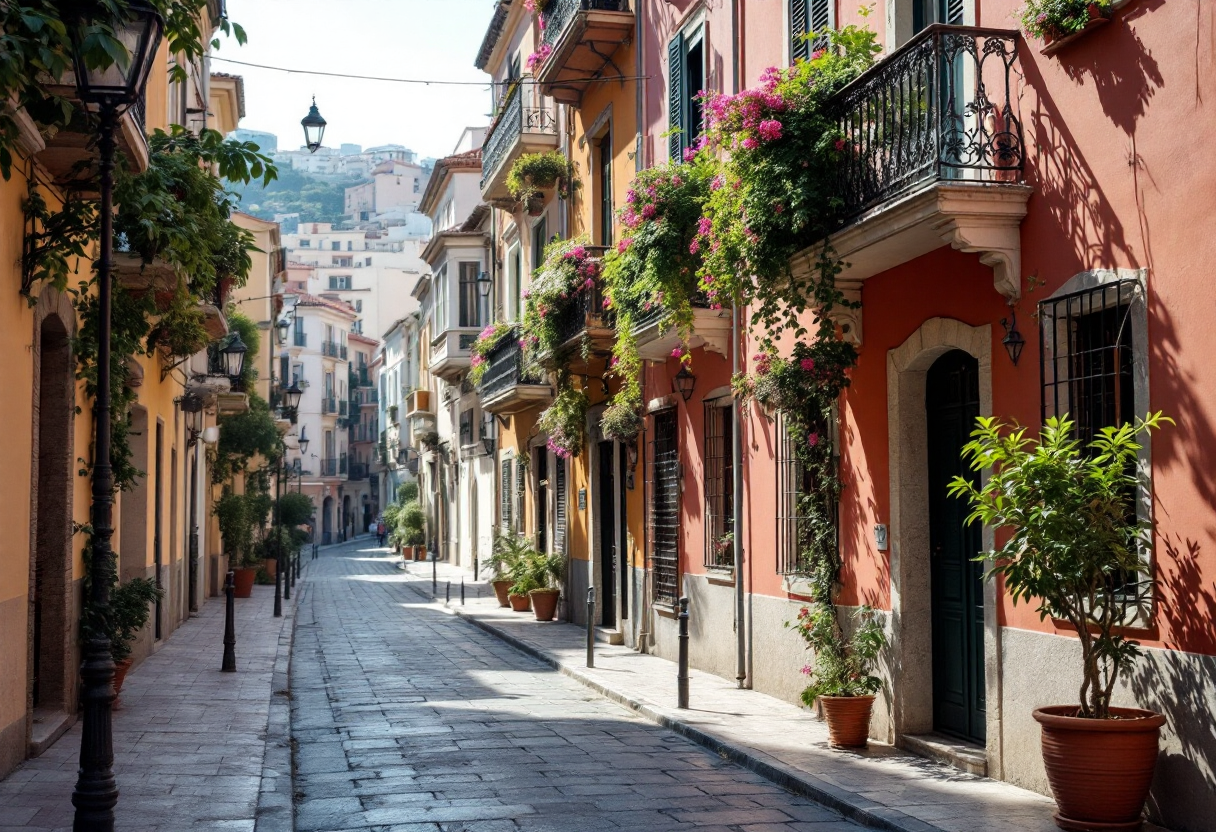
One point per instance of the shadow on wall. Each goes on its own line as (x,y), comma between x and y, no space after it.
(1083,222)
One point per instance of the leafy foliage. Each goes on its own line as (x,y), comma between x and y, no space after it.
(129,612)
(244,436)
(534,172)
(1060,18)
(842,665)
(295,509)
(486,341)
(565,420)
(1074,538)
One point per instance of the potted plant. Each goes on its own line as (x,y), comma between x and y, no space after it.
(545,570)
(523,581)
(535,173)
(841,679)
(1054,21)
(508,551)
(129,612)
(236,532)
(1074,548)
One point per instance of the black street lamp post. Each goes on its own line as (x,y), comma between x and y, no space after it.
(109,86)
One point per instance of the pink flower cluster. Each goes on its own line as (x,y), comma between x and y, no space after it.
(749,118)
(764,363)
(539,56)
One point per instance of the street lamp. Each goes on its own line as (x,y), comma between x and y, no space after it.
(234,357)
(291,400)
(284,325)
(111,86)
(314,127)
(684,382)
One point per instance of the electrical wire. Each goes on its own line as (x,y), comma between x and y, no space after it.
(425,82)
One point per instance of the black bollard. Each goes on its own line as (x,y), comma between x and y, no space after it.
(590,626)
(295,567)
(285,562)
(434,574)
(279,580)
(462,591)
(447,592)
(682,676)
(229,665)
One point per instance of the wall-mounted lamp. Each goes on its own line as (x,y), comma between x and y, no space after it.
(192,407)
(211,435)
(488,434)
(683,383)
(1013,340)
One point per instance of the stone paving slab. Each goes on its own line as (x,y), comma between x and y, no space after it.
(189,741)
(406,718)
(882,787)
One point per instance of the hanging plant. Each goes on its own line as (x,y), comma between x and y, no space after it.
(181,331)
(1056,19)
(565,420)
(534,172)
(568,272)
(486,341)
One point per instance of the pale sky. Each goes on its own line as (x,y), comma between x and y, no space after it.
(424,39)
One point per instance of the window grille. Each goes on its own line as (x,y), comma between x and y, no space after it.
(559,506)
(793,483)
(521,472)
(665,509)
(719,484)
(466,428)
(506,498)
(1086,361)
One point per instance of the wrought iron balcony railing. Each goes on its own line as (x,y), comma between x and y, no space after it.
(558,14)
(301,339)
(942,107)
(358,471)
(329,404)
(506,367)
(329,467)
(330,348)
(584,310)
(515,120)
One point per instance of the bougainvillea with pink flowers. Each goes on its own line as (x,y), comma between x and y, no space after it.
(487,339)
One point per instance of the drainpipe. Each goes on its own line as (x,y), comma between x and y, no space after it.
(736,430)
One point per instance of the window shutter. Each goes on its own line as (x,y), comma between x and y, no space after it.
(799,48)
(677,120)
(505,496)
(520,491)
(953,12)
(559,514)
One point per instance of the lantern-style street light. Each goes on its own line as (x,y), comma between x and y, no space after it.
(109,86)
(234,357)
(284,326)
(684,382)
(291,400)
(314,127)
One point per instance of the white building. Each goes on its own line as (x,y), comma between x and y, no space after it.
(393,185)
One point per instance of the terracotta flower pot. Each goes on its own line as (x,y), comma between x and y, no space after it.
(848,719)
(544,603)
(535,205)
(120,675)
(1100,770)
(520,603)
(242,579)
(500,591)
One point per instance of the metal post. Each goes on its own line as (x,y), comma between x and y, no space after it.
(96,792)
(434,574)
(229,665)
(279,564)
(590,626)
(682,675)
(462,591)
(447,593)
(295,567)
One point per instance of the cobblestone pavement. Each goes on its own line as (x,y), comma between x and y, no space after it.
(408,719)
(188,742)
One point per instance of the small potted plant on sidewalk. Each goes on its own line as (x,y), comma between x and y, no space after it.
(508,551)
(523,579)
(1076,547)
(130,608)
(841,679)
(546,571)
(236,530)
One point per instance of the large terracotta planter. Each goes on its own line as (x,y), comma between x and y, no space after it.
(544,603)
(520,603)
(848,719)
(1100,770)
(242,579)
(500,592)
(120,675)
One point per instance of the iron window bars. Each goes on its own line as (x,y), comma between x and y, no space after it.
(793,485)
(719,484)
(665,508)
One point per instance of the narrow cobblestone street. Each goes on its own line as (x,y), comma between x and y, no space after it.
(406,718)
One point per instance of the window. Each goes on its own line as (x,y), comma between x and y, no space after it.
(719,484)
(367,261)
(343,262)
(506,498)
(350,246)
(466,428)
(284,370)
(521,473)
(1091,347)
(514,299)
(441,300)
(300,339)
(470,298)
(540,233)
(665,508)
(339,281)
(793,486)
(559,505)
(928,12)
(305,243)
(417,185)
(604,148)
(686,80)
(809,16)
(335,246)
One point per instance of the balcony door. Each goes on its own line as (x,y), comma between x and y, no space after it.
(927,12)
(604,160)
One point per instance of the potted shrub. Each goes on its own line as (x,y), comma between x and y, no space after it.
(508,551)
(129,612)
(545,570)
(523,580)
(1055,21)
(535,173)
(1074,547)
(841,679)
(236,530)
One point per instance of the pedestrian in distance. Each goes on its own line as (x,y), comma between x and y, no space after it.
(381,530)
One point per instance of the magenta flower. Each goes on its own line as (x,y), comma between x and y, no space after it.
(769,130)
(648,212)
(840,143)
(812,439)
(690,153)
(677,352)
(694,247)
(704,226)
(750,144)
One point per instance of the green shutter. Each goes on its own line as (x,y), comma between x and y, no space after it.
(505,496)
(953,12)
(677,109)
(799,48)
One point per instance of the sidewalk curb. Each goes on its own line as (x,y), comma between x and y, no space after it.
(275,811)
(848,804)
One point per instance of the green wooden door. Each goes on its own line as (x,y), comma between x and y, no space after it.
(952,402)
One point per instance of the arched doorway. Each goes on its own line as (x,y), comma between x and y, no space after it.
(327,521)
(51,668)
(952,403)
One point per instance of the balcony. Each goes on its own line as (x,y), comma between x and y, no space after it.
(358,471)
(504,387)
(935,156)
(329,405)
(329,467)
(711,330)
(331,349)
(582,320)
(418,414)
(522,127)
(583,35)
(450,352)
(72,151)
